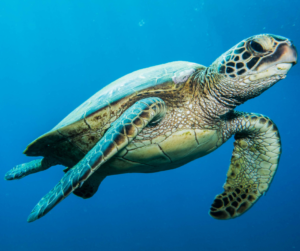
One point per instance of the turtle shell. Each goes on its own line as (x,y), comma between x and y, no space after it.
(76,134)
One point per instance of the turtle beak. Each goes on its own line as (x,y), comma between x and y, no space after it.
(279,63)
(288,59)
(288,53)
(283,58)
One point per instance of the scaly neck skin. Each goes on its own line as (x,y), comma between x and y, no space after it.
(215,95)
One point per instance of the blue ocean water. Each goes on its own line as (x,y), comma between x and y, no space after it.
(56,54)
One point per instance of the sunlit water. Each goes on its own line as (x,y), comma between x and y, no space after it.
(56,54)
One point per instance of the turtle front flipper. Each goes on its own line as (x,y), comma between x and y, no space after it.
(20,171)
(119,135)
(254,161)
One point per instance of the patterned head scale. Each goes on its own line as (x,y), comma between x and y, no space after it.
(256,54)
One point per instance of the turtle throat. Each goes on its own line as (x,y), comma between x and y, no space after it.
(219,94)
(213,97)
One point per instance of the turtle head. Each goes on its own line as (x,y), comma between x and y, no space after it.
(254,65)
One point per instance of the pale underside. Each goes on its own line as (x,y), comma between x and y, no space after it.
(163,152)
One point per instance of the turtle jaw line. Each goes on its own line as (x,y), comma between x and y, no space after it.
(280,69)
(282,76)
(284,66)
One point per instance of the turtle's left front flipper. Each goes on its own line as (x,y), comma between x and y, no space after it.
(254,161)
(119,135)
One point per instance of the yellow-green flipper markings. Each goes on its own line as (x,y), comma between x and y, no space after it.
(163,117)
(254,161)
(120,134)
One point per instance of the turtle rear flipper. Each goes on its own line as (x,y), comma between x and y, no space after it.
(119,135)
(254,161)
(20,171)
(90,186)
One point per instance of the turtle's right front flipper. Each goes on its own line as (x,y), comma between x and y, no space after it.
(119,135)
(254,161)
(20,171)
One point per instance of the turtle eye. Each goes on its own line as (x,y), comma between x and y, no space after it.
(257,47)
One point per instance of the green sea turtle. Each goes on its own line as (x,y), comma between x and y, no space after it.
(165,116)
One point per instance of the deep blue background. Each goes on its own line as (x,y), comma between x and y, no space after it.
(56,54)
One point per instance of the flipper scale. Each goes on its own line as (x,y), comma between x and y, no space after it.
(101,152)
(20,171)
(255,158)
